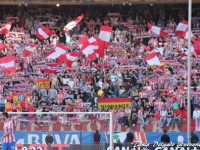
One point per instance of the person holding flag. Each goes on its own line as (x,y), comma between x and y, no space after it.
(8,139)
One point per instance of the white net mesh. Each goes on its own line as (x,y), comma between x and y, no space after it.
(76,130)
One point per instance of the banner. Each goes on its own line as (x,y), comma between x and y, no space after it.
(43,82)
(33,137)
(116,103)
(18,97)
(155,146)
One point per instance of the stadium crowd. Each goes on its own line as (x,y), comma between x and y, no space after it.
(157,93)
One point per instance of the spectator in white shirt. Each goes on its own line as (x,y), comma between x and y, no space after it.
(163,114)
(196,115)
(100,83)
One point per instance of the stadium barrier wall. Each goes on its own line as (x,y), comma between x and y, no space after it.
(87,137)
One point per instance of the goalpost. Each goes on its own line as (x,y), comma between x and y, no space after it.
(70,130)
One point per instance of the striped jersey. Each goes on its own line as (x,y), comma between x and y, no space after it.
(8,126)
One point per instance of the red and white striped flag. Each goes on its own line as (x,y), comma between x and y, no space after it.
(101,49)
(50,68)
(29,49)
(82,41)
(157,30)
(71,57)
(105,34)
(152,60)
(43,32)
(193,38)
(159,51)
(90,48)
(181,29)
(6,28)
(73,23)
(8,64)
(146,48)
(58,52)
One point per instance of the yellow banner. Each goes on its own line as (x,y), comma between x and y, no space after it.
(115,103)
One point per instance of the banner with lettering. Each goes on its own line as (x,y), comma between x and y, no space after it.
(38,137)
(43,82)
(116,103)
(18,97)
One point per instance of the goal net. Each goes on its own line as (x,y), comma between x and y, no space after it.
(69,130)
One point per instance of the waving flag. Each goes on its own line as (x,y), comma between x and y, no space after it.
(82,41)
(159,51)
(43,32)
(72,24)
(181,29)
(152,60)
(193,38)
(71,57)
(6,28)
(105,34)
(29,49)
(146,48)
(101,49)
(157,30)
(8,64)
(58,52)
(90,48)
(50,68)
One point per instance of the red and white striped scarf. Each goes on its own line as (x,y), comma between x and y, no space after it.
(159,105)
(151,99)
(142,94)
(178,44)
(153,85)
(140,113)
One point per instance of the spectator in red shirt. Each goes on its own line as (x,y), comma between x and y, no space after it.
(185,112)
(177,115)
(157,115)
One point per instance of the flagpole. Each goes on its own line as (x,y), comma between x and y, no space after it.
(189,72)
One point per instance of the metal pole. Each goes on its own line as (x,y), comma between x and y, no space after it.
(189,71)
(111,131)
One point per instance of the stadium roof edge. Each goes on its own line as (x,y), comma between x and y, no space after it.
(92,2)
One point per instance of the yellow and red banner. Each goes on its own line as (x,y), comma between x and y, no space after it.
(18,97)
(116,103)
(43,82)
